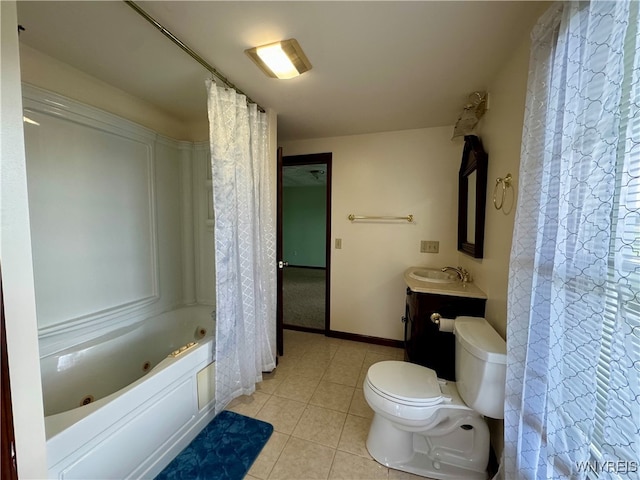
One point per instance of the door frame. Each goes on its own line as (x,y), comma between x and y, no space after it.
(292,160)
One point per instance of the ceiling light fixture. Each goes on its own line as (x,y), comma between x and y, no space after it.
(282,60)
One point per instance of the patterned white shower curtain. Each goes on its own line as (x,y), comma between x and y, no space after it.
(244,233)
(572,407)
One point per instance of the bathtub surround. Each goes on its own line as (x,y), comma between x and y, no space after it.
(201,194)
(93,214)
(245,254)
(224,450)
(103,210)
(188,241)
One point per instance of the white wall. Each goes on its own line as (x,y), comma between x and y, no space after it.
(501,133)
(15,255)
(393,173)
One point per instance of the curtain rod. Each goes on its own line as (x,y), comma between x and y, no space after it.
(188,50)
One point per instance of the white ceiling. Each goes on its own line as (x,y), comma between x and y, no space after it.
(377,66)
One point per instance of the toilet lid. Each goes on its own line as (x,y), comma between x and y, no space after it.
(406,382)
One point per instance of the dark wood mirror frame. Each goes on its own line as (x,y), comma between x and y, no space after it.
(474,159)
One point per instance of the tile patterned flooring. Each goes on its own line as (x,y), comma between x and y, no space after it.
(315,402)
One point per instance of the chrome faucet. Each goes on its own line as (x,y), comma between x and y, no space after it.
(463,274)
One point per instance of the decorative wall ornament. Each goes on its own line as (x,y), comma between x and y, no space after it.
(471,114)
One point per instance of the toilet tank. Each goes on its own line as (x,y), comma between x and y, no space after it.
(481,362)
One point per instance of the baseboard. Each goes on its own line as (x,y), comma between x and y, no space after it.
(366,339)
(355,337)
(300,328)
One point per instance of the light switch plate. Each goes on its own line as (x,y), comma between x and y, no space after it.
(429,246)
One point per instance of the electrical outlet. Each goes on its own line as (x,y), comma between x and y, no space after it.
(429,246)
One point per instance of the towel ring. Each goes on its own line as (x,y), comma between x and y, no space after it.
(506,182)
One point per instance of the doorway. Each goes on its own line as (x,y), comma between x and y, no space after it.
(305,193)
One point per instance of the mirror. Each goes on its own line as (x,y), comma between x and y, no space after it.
(472,197)
(471,209)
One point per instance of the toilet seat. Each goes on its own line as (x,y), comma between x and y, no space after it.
(405,383)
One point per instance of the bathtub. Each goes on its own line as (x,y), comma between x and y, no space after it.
(123,406)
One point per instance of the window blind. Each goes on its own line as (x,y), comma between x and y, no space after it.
(615,436)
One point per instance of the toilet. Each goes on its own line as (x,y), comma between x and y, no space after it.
(436,428)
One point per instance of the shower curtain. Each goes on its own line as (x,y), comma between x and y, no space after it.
(244,238)
(572,407)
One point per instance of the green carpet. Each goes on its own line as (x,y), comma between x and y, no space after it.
(304,297)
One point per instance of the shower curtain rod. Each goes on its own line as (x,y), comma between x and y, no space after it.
(188,50)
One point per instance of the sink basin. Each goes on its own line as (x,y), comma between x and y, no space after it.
(433,275)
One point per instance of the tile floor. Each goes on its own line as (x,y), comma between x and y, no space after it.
(314,401)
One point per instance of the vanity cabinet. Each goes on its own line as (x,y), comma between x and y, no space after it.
(424,343)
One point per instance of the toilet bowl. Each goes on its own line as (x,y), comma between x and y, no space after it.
(432,427)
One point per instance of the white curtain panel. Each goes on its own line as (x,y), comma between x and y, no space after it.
(572,406)
(244,233)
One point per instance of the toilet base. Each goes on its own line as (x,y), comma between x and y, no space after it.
(423,466)
(447,452)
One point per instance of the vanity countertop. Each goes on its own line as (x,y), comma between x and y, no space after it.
(457,289)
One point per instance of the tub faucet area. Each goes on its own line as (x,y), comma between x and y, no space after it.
(462,273)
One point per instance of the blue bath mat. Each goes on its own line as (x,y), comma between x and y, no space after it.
(224,450)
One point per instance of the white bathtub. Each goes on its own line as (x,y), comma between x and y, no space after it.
(137,420)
